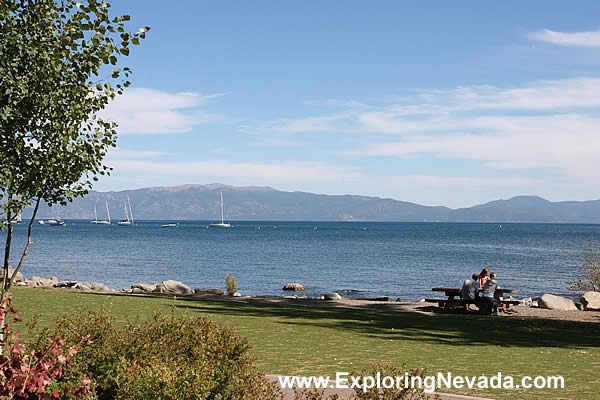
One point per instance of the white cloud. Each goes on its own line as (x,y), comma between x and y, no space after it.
(120,153)
(551,125)
(151,111)
(411,181)
(287,172)
(574,39)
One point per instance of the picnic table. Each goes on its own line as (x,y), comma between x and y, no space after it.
(451,301)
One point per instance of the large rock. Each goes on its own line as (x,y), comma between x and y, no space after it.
(332,296)
(37,281)
(143,287)
(172,287)
(93,286)
(18,278)
(591,301)
(553,302)
(294,286)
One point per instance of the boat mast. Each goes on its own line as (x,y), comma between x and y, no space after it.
(126,212)
(130,210)
(222,220)
(107,211)
(95,213)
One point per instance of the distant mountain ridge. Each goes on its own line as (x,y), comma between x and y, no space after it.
(201,202)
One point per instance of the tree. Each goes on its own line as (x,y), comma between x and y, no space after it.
(58,70)
(590,274)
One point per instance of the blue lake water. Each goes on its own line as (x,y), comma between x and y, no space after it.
(381,259)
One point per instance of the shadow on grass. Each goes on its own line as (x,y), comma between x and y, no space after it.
(442,329)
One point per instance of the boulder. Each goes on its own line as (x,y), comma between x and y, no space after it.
(172,287)
(82,286)
(18,277)
(209,291)
(237,294)
(143,287)
(294,287)
(332,296)
(591,301)
(553,302)
(99,286)
(37,281)
(320,298)
(290,297)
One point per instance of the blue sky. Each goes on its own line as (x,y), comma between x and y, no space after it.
(439,103)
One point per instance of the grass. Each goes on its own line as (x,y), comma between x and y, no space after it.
(301,340)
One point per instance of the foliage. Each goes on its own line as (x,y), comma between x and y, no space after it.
(33,375)
(167,357)
(590,274)
(230,284)
(57,72)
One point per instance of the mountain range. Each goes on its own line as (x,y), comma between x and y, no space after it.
(202,202)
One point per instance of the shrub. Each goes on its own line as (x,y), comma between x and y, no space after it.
(589,274)
(166,357)
(34,375)
(230,284)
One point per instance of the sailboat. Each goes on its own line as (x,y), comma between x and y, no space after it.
(222,224)
(128,215)
(106,221)
(95,220)
(17,219)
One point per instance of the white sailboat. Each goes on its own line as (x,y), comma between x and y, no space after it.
(128,215)
(95,220)
(17,219)
(106,221)
(222,224)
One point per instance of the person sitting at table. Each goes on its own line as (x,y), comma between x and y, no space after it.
(488,293)
(470,288)
(483,277)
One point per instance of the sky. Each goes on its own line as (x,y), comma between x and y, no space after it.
(433,102)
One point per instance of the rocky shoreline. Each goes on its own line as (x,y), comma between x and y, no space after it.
(590,301)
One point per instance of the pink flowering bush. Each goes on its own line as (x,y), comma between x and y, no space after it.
(33,374)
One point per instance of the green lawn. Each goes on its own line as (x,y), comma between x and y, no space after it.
(314,341)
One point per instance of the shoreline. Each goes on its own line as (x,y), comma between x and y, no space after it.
(522,312)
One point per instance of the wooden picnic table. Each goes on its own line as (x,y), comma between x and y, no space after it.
(451,293)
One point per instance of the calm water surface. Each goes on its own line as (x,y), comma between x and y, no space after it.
(381,259)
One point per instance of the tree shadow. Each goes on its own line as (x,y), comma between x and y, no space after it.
(454,329)
(387,322)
